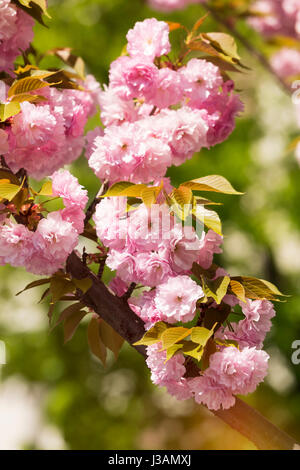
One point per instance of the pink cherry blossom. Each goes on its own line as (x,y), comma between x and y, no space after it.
(67,187)
(210,244)
(176,299)
(238,371)
(16,32)
(149,38)
(208,392)
(133,77)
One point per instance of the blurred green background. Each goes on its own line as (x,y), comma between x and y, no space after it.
(59,397)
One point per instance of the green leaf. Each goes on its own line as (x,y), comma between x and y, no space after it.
(258,288)
(110,338)
(216,289)
(46,189)
(209,218)
(149,196)
(173,335)
(182,196)
(83,284)
(214,183)
(27,97)
(95,342)
(8,110)
(41,3)
(71,324)
(34,8)
(193,350)
(225,43)
(8,191)
(24,85)
(117,188)
(153,335)
(201,335)
(65,54)
(31,285)
(172,350)
(227,342)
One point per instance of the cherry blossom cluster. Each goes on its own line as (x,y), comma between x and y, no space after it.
(147,246)
(16,33)
(232,370)
(156,113)
(46,135)
(44,248)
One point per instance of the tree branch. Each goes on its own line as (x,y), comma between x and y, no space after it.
(114,310)
(249,422)
(91,209)
(253,51)
(117,313)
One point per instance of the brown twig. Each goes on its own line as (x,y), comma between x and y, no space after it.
(253,51)
(91,209)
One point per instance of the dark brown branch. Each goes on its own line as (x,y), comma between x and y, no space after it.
(114,310)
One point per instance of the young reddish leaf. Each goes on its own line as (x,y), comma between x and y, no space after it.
(258,288)
(173,26)
(238,290)
(110,338)
(199,22)
(148,196)
(27,97)
(31,285)
(60,286)
(71,324)
(95,342)
(182,195)
(67,312)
